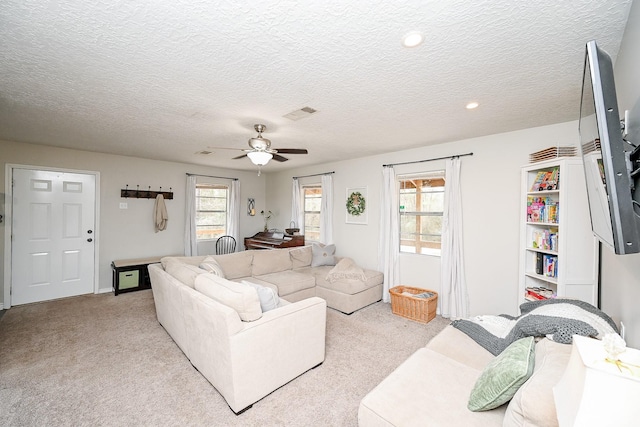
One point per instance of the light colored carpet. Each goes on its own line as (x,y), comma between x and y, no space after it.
(102,360)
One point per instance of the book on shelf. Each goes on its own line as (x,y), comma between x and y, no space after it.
(546,180)
(545,239)
(550,265)
(538,293)
(542,209)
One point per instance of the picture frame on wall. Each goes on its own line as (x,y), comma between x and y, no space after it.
(357,207)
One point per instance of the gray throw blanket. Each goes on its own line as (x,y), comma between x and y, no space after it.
(558,319)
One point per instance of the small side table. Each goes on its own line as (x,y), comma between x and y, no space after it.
(131,274)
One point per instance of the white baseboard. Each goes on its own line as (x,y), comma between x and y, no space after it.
(104,290)
(1,306)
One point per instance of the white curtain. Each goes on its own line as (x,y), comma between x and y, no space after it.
(454,299)
(389,246)
(233,216)
(297,211)
(326,210)
(190,241)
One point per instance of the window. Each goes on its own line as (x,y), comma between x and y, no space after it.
(312,203)
(211,211)
(421,207)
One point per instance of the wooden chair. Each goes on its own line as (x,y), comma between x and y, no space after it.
(225,245)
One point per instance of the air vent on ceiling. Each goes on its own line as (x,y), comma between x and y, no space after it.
(204,152)
(301,113)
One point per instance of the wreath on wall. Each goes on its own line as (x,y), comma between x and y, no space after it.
(355,204)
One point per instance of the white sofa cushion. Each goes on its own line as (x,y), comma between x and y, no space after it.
(271,261)
(242,298)
(186,273)
(426,389)
(300,257)
(235,265)
(289,282)
(533,404)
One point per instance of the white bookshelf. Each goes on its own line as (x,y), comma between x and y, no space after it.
(576,251)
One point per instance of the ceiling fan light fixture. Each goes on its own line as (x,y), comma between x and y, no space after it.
(259,158)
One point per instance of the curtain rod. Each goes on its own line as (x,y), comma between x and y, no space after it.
(211,176)
(429,160)
(315,174)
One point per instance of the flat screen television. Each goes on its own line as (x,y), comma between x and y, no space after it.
(610,162)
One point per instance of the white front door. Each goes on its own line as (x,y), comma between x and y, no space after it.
(53,223)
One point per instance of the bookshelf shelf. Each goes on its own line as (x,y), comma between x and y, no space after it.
(543,251)
(535,276)
(558,250)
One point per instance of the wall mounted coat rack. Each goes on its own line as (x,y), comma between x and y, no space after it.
(145,194)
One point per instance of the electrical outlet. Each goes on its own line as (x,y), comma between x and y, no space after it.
(622,330)
(124,206)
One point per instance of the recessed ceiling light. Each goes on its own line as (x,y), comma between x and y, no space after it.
(412,39)
(472,105)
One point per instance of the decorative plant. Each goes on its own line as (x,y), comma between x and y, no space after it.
(267,216)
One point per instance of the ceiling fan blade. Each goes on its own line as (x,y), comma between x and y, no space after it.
(239,157)
(292,150)
(227,148)
(279,158)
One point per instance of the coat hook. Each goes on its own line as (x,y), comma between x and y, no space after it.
(161,189)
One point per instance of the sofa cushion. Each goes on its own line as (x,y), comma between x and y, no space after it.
(345,286)
(289,281)
(533,404)
(300,257)
(426,389)
(322,255)
(242,298)
(267,296)
(270,261)
(192,260)
(235,265)
(186,273)
(457,345)
(211,266)
(503,376)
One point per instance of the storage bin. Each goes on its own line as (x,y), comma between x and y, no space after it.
(419,309)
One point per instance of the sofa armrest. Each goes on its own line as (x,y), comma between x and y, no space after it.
(283,344)
(245,361)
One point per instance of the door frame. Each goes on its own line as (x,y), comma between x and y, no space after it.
(8,228)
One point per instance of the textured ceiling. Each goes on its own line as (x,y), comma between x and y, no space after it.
(164,79)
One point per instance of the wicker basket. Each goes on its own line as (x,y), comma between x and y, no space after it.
(418,309)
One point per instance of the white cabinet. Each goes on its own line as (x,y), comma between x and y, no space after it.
(558,251)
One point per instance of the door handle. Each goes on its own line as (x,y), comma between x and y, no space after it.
(89,231)
(89,239)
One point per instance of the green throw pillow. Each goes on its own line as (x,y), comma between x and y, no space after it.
(503,376)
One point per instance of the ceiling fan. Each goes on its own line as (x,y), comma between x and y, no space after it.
(261,151)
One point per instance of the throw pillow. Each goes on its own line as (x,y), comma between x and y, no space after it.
(503,376)
(322,255)
(212,266)
(268,297)
(242,298)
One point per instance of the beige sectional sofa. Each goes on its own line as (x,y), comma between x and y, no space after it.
(290,273)
(432,387)
(203,314)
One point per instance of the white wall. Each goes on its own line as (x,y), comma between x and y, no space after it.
(130,233)
(620,283)
(491,202)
